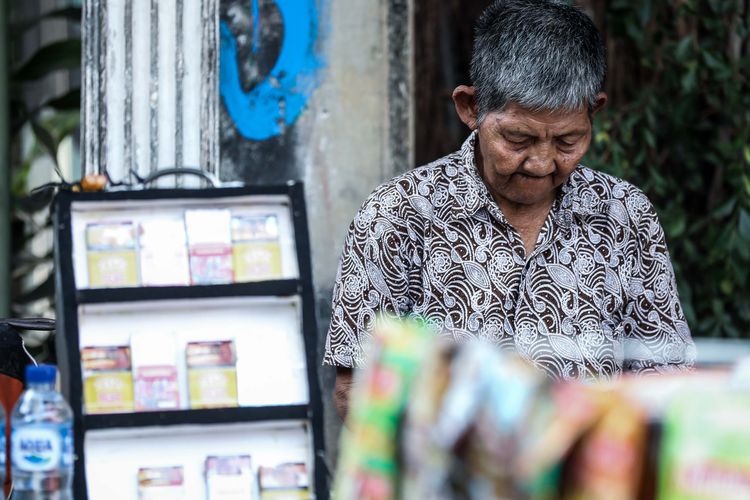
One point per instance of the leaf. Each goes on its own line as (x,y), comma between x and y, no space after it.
(35,201)
(677,227)
(682,49)
(71,101)
(645,12)
(70,13)
(688,80)
(49,144)
(65,54)
(744,225)
(711,61)
(725,208)
(45,138)
(43,290)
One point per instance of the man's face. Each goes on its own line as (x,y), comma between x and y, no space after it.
(525,156)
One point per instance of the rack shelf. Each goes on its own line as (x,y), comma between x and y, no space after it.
(205,416)
(276,288)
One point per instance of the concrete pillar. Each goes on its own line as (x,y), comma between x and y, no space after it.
(150,91)
(317,90)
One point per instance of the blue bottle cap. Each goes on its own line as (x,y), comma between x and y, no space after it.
(41,374)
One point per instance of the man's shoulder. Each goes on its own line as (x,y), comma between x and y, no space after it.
(611,192)
(415,191)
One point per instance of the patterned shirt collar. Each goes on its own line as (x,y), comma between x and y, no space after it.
(472,193)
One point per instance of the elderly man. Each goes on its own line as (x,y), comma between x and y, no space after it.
(510,239)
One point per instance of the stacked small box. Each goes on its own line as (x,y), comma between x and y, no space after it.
(229,478)
(212,374)
(107,379)
(111,254)
(284,482)
(161,483)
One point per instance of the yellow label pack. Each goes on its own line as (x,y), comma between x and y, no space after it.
(212,374)
(107,379)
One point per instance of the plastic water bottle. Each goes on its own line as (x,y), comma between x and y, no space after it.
(41,439)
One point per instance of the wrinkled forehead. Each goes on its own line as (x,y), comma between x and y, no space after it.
(516,117)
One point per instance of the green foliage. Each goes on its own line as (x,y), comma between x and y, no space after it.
(678,126)
(38,126)
(65,54)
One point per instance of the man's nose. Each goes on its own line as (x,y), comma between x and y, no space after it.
(541,161)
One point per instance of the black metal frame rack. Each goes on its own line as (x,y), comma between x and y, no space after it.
(69,297)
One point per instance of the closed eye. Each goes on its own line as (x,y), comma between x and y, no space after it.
(517,141)
(566,144)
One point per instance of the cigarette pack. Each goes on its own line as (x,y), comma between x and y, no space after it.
(161,483)
(284,482)
(111,255)
(229,477)
(210,246)
(163,251)
(155,372)
(256,251)
(212,374)
(107,379)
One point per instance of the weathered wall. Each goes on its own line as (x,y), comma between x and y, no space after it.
(320,91)
(149,77)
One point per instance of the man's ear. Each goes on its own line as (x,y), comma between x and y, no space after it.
(601,100)
(466,105)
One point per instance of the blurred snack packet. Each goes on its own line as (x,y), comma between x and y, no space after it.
(483,423)
(705,443)
(608,462)
(368,468)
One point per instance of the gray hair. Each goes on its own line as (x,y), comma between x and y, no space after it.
(540,54)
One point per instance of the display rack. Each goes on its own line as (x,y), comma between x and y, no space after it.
(256,426)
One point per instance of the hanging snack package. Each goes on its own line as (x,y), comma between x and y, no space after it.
(368,468)
(705,443)
(464,417)
(560,415)
(608,461)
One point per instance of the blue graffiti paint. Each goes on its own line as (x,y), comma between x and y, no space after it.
(255,13)
(276,102)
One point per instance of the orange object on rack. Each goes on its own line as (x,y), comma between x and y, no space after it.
(94,183)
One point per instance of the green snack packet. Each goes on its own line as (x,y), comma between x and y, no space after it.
(368,466)
(705,447)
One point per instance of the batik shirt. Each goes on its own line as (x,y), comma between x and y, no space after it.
(596,297)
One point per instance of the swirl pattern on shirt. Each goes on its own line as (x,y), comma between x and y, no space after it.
(596,296)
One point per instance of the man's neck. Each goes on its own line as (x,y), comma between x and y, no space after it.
(526,219)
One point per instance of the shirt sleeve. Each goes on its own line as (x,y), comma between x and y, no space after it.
(656,336)
(372,278)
